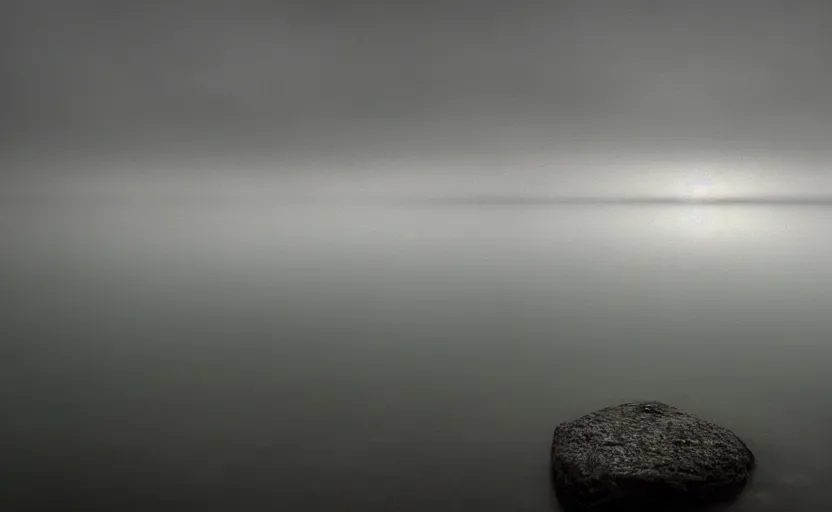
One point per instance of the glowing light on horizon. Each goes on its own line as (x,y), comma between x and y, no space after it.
(702,187)
(701,191)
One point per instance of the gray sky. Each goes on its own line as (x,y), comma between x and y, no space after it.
(395,80)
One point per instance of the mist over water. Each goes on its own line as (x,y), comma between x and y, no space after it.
(180,355)
(356,255)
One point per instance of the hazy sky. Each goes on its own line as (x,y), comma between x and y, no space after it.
(409,83)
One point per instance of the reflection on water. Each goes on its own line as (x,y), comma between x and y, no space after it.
(707,221)
(396,357)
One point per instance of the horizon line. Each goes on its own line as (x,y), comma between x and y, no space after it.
(587,200)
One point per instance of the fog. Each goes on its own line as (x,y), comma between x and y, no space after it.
(357,255)
(396,91)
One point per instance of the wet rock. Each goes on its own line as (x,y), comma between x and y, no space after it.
(645,456)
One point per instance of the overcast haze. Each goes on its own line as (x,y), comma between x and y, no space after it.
(403,92)
(523,211)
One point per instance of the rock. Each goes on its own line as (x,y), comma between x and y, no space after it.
(646,455)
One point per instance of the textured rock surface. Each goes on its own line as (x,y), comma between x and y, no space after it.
(646,455)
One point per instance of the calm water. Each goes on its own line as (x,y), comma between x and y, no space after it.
(178,357)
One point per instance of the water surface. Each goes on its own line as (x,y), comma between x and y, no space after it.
(183,356)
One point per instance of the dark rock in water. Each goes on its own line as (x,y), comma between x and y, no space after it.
(646,455)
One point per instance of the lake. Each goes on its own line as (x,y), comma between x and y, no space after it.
(184,356)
